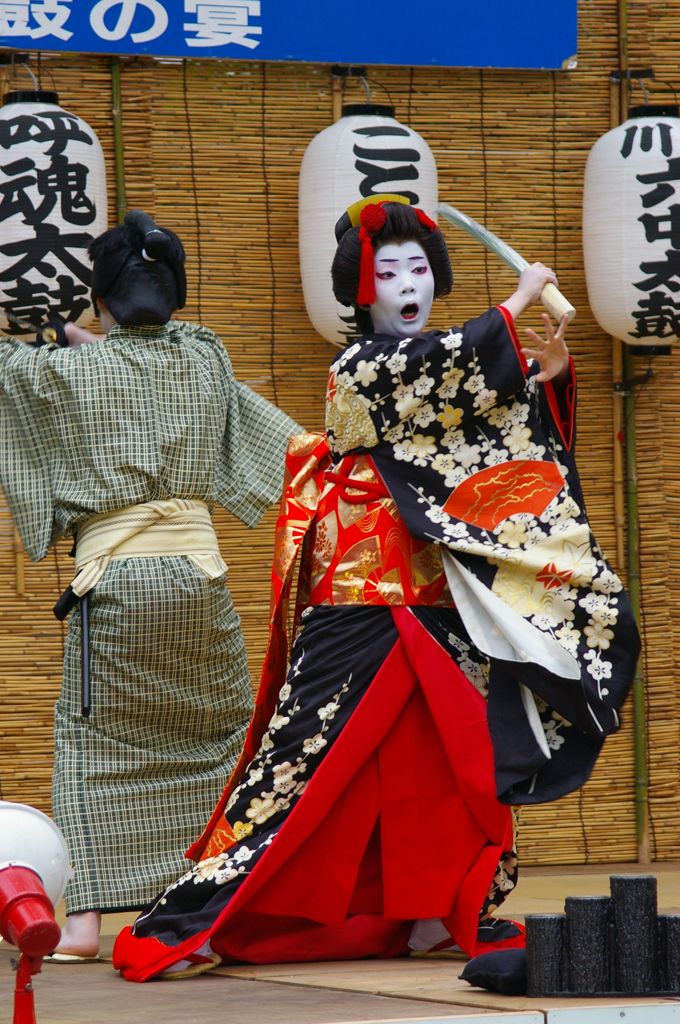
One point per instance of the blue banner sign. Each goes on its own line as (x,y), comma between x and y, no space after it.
(446,33)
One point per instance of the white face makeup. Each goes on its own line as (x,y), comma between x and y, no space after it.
(404,289)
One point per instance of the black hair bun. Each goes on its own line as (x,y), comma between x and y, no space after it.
(153,241)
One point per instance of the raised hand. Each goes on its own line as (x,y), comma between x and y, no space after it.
(551,353)
(532,281)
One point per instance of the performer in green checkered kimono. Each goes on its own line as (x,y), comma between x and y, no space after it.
(127,444)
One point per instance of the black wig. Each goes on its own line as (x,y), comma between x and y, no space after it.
(138,270)
(401,225)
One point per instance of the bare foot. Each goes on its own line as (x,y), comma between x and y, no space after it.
(80,934)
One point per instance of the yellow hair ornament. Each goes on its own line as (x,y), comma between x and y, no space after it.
(354,211)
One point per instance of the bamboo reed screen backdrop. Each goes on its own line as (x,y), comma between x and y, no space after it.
(213,150)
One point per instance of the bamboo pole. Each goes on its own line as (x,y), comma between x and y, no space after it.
(119,162)
(20,579)
(618,435)
(635,594)
(633,531)
(618,431)
(336,96)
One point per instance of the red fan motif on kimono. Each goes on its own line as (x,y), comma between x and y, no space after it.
(493,494)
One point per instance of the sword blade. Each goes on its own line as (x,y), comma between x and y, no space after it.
(49,331)
(20,321)
(553,299)
(492,242)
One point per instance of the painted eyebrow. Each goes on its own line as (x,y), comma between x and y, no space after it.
(385,260)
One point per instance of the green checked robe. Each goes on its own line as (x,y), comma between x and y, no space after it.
(147,413)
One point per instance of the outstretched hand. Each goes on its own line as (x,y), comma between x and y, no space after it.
(551,353)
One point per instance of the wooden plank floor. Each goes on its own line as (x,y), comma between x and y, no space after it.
(412,990)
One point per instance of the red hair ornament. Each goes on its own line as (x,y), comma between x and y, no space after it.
(372,220)
(426,221)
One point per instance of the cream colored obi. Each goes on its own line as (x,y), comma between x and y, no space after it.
(178,526)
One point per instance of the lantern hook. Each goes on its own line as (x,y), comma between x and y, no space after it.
(626,387)
(14,57)
(632,74)
(18,61)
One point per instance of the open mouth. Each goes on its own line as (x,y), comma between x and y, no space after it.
(410,311)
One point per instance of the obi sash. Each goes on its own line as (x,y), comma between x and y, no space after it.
(177,526)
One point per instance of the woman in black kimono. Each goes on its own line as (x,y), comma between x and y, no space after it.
(460,646)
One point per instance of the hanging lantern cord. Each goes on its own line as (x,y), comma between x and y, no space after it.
(673,90)
(24,66)
(369,92)
(645,91)
(48,73)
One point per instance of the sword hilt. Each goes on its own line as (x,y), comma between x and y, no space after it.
(557,304)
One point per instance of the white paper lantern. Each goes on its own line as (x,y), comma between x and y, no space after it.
(631,228)
(52,204)
(366,152)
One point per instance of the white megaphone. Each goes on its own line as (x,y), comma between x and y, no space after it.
(34,870)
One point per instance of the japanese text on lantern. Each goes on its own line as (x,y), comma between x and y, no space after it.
(209,22)
(658,315)
(382,168)
(44,192)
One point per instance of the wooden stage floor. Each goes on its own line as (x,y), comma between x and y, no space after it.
(407,990)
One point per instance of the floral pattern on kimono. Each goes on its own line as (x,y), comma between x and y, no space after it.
(478,456)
